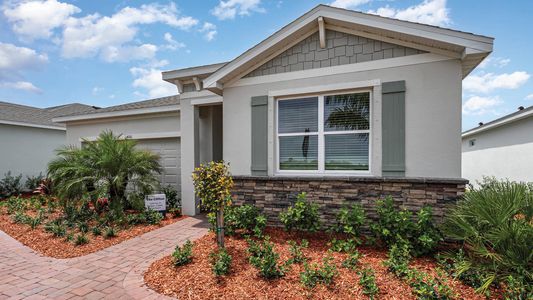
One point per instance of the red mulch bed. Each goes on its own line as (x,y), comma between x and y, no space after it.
(196,280)
(48,245)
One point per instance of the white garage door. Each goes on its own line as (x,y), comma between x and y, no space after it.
(169,149)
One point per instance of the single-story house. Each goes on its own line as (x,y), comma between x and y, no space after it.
(343,105)
(502,148)
(29,137)
(154,124)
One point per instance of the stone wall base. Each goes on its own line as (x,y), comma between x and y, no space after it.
(275,194)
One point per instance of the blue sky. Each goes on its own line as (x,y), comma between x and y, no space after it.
(104,53)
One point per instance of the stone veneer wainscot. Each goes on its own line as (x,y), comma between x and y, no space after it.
(274,194)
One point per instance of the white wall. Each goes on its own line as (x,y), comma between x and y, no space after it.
(27,150)
(433,116)
(145,124)
(504,152)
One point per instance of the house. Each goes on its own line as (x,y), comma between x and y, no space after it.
(502,148)
(154,124)
(343,105)
(29,137)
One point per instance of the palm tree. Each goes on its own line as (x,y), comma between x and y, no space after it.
(106,165)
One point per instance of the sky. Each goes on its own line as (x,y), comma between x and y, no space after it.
(104,53)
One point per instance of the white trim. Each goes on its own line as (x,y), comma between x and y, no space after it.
(326,88)
(140,136)
(207,101)
(497,124)
(342,69)
(321,136)
(120,113)
(321,32)
(15,123)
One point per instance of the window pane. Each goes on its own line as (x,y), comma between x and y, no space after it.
(298,152)
(346,151)
(299,115)
(347,112)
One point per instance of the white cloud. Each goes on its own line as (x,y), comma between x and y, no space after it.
(433,12)
(14,61)
(488,82)
(150,79)
(477,105)
(348,3)
(96,90)
(494,61)
(209,30)
(229,9)
(529,97)
(21,85)
(109,36)
(37,19)
(172,44)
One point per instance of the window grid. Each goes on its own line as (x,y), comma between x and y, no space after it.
(321,136)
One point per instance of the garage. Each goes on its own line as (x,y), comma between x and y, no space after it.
(169,151)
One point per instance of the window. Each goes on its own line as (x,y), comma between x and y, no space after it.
(324,133)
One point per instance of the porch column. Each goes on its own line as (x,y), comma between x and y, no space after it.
(190,157)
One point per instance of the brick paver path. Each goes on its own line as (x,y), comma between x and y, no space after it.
(112,273)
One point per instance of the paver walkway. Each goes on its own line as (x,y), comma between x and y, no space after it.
(112,273)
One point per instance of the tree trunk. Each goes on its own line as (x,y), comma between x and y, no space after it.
(220,227)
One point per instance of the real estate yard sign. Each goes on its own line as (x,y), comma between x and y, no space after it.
(157,202)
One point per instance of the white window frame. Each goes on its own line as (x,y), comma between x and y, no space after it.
(321,134)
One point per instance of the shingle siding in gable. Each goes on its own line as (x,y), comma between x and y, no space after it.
(341,49)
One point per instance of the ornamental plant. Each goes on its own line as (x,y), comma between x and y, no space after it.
(303,216)
(213,184)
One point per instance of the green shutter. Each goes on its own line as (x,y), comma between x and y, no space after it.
(393,126)
(259,136)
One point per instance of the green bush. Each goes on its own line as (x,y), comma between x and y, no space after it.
(136,219)
(244,218)
(33,182)
(315,274)
(96,231)
(297,255)
(220,262)
(350,220)
(426,287)
(352,260)
(348,245)
(81,239)
(182,255)
(110,232)
(136,201)
(265,259)
(455,262)
(83,227)
(34,222)
(10,185)
(394,226)
(302,216)
(153,217)
(173,201)
(367,279)
(398,261)
(20,218)
(494,223)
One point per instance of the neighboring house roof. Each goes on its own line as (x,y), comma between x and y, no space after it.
(22,115)
(163,104)
(510,118)
(471,49)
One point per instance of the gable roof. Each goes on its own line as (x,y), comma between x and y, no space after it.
(22,115)
(510,118)
(170,103)
(468,47)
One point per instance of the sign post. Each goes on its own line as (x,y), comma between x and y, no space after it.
(157,202)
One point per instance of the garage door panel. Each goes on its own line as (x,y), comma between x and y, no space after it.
(169,151)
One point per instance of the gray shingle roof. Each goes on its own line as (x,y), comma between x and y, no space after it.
(39,116)
(158,102)
(511,115)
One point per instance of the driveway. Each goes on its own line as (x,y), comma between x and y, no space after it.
(112,273)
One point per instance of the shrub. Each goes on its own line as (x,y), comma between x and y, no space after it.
(348,245)
(182,255)
(83,227)
(297,255)
(368,281)
(34,222)
(176,212)
(69,237)
(220,262)
(153,217)
(15,204)
(96,231)
(10,185)
(32,182)
(427,287)
(352,260)
(110,232)
(398,261)
(350,220)
(20,218)
(394,226)
(241,218)
(302,216)
(494,223)
(136,219)
(136,201)
(455,263)
(56,228)
(263,257)
(314,274)
(171,195)
(81,239)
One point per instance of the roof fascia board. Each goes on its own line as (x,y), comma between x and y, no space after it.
(140,136)
(130,112)
(191,72)
(497,124)
(25,124)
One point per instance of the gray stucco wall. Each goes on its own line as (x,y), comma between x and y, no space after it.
(503,152)
(27,150)
(433,116)
(341,49)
